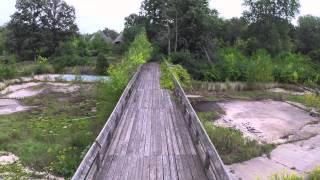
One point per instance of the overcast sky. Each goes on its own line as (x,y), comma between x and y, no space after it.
(93,15)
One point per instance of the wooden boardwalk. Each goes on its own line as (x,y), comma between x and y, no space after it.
(152,140)
(152,135)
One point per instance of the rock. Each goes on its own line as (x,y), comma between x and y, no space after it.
(8,158)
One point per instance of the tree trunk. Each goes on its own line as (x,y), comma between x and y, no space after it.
(207,55)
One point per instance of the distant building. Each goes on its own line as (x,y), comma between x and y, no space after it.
(107,39)
(119,39)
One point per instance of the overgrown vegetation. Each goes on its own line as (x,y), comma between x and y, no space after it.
(178,71)
(56,135)
(313,175)
(260,46)
(261,67)
(52,136)
(232,146)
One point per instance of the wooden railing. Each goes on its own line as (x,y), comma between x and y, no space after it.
(209,156)
(94,158)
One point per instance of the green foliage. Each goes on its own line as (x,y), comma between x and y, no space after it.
(102,64)
(233,66)
(140,50)
(230,143)
(14,172)
(286,176)
(2,40)
(37,27)
(166,81)
(260,67)
(308,35)
(309,100)
(67,161)
(167,70)
(71,53)
(43,66)
(182,74)
(270,24)
(315,174)
(52,136)
(7,67)
(295,68)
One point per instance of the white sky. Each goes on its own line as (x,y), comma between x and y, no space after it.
(94,15)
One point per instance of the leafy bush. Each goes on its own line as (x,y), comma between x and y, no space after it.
(179,72)
(102,64)
(260,67)
(191,63)
(166,80)
(295,68)
(233,65)
(7,67)
(69,54)
(43,66)
(140,50)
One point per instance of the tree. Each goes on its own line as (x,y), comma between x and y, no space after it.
(270,24)
(133,25)
(37,27)
(59,22)
(308,34)
(2,40)
(189,24)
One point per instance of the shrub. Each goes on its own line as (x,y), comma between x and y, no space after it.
(233,65)
(7,67)
(191,63)
(260,67)
(102,64)
(166,80)
(140,50)
(43,66)
(294,68)
(315,174)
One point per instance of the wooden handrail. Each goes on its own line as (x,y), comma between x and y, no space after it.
(215,168)
(94,158)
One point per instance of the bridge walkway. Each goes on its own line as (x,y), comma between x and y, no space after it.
(152,140)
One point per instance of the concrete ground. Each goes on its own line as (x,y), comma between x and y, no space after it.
(294,130)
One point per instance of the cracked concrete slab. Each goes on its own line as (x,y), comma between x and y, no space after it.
(267,121)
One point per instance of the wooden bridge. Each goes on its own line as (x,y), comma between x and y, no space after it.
(152,135)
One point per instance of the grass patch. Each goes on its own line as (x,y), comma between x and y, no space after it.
(315,174)
(14,172)
(55,135)
(232,146)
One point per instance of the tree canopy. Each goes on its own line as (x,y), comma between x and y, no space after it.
(37,27)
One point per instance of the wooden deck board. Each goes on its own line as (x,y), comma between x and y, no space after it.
(152,141)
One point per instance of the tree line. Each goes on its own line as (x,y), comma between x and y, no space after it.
(196,36)
(188,31)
